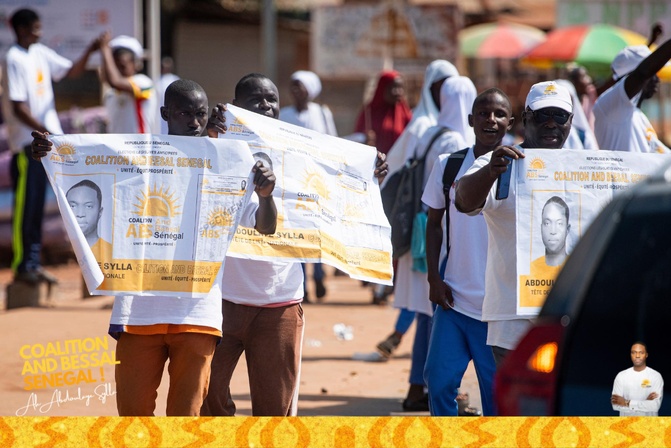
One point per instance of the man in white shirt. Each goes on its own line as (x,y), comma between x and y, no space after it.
(458,334)
(28,103)
(151,330)
(638,390)
(261,305)
(547,123)
(620,125)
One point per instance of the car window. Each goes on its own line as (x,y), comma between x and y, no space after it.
(629,299)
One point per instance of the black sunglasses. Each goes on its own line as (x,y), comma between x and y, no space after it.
(544,115)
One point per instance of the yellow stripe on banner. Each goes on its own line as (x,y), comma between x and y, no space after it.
(350,432)
(171,276)
(308,243)
(19,205)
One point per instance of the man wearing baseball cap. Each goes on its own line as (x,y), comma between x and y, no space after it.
(547,122)
(619,124)
(131,101)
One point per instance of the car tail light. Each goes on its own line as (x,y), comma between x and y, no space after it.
(525,383)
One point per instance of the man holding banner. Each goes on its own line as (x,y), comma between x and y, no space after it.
(547,123)
(151,329)
(263,316)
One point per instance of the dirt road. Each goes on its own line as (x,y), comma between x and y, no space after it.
(332,383)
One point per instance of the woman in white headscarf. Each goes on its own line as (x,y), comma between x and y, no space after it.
(305,87)
(451,133)
(424,115)
(581,135)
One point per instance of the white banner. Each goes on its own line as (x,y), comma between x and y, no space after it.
(559,193)
(69,26)
(328,201)
(150,214)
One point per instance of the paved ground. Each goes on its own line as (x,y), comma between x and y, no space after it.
(332,382)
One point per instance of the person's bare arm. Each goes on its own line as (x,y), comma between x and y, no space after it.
(647,69)
(439,292)
(22,113)
(266,215)
(471,191)
(80,65)
(110,72)
(655,31)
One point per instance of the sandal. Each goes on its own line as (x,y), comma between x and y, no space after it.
(464,410)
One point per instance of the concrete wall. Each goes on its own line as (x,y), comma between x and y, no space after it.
(218,55)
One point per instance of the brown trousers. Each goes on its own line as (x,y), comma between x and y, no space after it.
(142,360)
(272,340)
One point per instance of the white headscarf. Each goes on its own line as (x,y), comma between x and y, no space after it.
(435,71)
(457,95)
(424,115)
(311,82)
(129,43)
(580,124)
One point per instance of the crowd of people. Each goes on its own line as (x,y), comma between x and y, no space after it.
(462,298)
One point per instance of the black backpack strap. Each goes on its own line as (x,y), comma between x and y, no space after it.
(454,162)
(435,137)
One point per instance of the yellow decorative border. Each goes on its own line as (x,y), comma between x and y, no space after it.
(336,432)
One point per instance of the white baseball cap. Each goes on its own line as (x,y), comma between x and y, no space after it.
(549,94)
(129,43)
(628,59)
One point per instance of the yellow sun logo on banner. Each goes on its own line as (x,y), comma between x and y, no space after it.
(314,183)
(157,202)
(645,383)
(537,164)
(220,217)
(65,149)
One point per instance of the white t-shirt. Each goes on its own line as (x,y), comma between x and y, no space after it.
(27,76)
(132,113)
(316,117)
(636,386)
(621,126)
(151,310)
(500,302)
(465,271)
(411,288)
(262,283)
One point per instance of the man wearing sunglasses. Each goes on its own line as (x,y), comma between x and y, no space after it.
(547,122)
(620,125)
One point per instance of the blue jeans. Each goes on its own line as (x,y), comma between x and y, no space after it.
(455,340)
(404,320)
(419,348)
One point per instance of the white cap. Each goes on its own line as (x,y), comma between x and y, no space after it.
(129,43)
(628,59)
(549,94)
